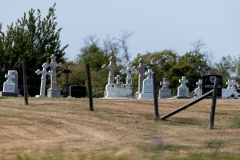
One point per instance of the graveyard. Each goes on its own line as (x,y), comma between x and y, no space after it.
(65,128)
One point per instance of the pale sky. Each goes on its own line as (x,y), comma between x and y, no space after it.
(157,24)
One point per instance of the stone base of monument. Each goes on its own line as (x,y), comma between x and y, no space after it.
(118,91)
(53,93)
(145,96)
(11,94)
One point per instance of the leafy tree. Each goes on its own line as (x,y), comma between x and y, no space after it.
(32,39)
(182,68)
(227,67)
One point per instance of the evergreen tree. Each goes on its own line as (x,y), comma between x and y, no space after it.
(32,39)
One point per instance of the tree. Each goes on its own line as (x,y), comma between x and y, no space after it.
(32,39)
(227,67)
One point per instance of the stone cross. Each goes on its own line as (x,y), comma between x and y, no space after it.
(234,84)
(229,83)
(129,71)
(142,69)
(199,83)
(44,73)
(149,74)
(118,79)
(165,83)
(53,66)
(111,67)
(183,81)
(9,85)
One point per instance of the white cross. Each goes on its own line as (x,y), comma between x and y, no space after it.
(164,83)
(183,81)
(149,74)
(43,78)
(9,76)
(118,79)
(129,71)
(111,67)
(199,83)
(53,66)
(229,83)
(234,84)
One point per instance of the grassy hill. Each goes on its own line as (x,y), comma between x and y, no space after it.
(117,129)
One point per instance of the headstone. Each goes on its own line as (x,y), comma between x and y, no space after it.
(9,87)
(198,90)
(129,71)
(119,90)
(111,67)
(165,92)
(183,89)
(118,79)
(77,91)
(147,89)
(230,91)
(44,73)
(141,70)
(208,83)
(54,91)
(229,83)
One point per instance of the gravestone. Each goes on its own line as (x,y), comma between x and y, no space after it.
(165,92)
(9,87)
(198,90)
(183,90)
(230,91)
(77,91)
(208,83)
(141,70)
(119,90)
(44,73)
(118,79)
(54,91)
(147,89)
(111,67)
(129,71)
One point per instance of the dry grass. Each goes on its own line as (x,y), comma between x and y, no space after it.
(118,128)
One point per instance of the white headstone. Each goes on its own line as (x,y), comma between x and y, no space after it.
(147,89)
(230,91)
(44,73)
(198,90)
(183,89)
(129,71)
(229,83)
(164,92)
(54,91)
(9,85)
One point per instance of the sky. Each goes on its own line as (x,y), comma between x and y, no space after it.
(156,24)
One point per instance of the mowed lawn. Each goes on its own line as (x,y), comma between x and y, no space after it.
(51,128)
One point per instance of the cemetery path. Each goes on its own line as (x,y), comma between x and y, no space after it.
(124,127)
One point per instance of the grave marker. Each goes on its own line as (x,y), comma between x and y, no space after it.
(165,92)
(147,89)
(183,89)
(111,67)
(129,71)
(54,91)
(44,73)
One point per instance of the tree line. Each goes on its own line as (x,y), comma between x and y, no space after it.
(34,39)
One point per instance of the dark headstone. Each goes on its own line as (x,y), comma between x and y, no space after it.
(77,91)
(208,83)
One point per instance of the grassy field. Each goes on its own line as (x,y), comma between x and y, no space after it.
(59,129)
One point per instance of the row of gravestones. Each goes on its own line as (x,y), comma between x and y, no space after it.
(145,86)
(10,87)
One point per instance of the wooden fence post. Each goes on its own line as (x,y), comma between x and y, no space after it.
(25,83)
(214,100)
(155,96)
(89,87)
